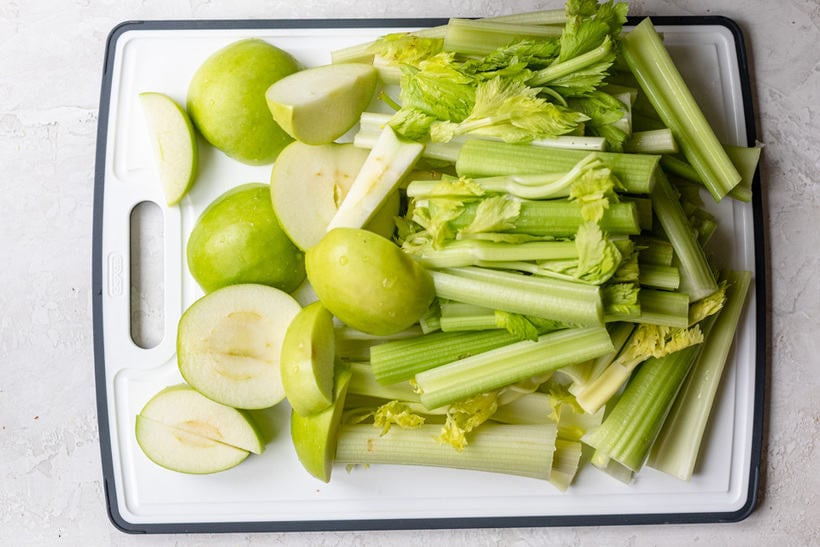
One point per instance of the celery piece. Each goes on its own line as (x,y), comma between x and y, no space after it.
(660,277)
(456,316)
(483,36)
(667,308)
(401,360)
(650,62)
(628,432)
(500,367)
(523,450)
(657,141)
(652,250)
(565,463)
(485,158)
(678,445)
(697,277)
(363,382)
(470,252)
(746,160)
(559,300)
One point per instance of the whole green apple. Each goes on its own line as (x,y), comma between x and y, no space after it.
(226,100)
(238,239)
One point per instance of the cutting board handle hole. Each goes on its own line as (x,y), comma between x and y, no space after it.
(147,236)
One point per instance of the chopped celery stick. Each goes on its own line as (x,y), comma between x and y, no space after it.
(746,160)
(628,432)
(667,308)
(621,302)
(565,463)
(697,277)
(524,450)
(660,277)
(509,364)
(469,252)
(401,360)
(485,158)
(456,316)
(678,445)
(363,382)
(650,62)
(657,141)
(483,36)
(652,250)
(559,300)
(612,468)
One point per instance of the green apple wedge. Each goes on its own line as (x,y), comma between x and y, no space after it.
(229,344)
(181,429)
(308,358)
(238,239)
(314,437)
(173,141)
(308,184)
(320,104)
(226,100)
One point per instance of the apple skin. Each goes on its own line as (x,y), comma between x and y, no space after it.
(368,282)
(238,239)
(226,100)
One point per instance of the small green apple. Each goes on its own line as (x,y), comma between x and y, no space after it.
(238,239)
(174,142)
(320,104)
(226,100)
(308,358)
(368,282)
(314,437)
(308,183)
(229,344)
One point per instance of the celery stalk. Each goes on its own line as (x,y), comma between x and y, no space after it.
(678,445)
(660,277)
(470,252)
(656,141)
(659,307)
(565,463)
(650,62)
(485,158)
(509,364)
(482,36)
(524,450)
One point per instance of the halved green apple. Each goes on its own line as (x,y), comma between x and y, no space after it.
(309,183)
(229,344)
(320,104)
(314,437)
(174,143)
(182,430)
(307,362)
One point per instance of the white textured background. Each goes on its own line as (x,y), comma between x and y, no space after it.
(50,63)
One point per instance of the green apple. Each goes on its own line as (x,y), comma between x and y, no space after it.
(226,100)
(179,450)
(308,183)
(229,344)
(368,282)
(174,143)
(238,239)
(320,104)
(308,358)
(314,437)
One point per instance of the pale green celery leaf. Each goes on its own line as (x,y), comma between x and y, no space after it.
(603,110)
(406,48)
(464,416)
(436,216)
(583,81)
(438,88)
(594,190)
(494,214)
(511,110)
(411,123)
(629,268)
(588,23)
(650,340)
(461,186)
(514,60)
(620,298)
(709,305)
(516,324)
(396,413)
(598,257)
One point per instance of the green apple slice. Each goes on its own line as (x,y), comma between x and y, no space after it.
(308,184)
(184,408)
(229,344)
(174,143)
(314,437)
(320,104)
(308,357)
(179,450)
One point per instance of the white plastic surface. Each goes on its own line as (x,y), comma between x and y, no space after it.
(272,487)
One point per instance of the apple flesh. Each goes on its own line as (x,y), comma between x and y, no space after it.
(320,104)
(229,344)
(309,183)
(238,239)
(314,437)
(226,100)
(173,140)
(182,430)
(307,361)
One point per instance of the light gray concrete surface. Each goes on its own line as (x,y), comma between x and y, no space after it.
(50,65)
